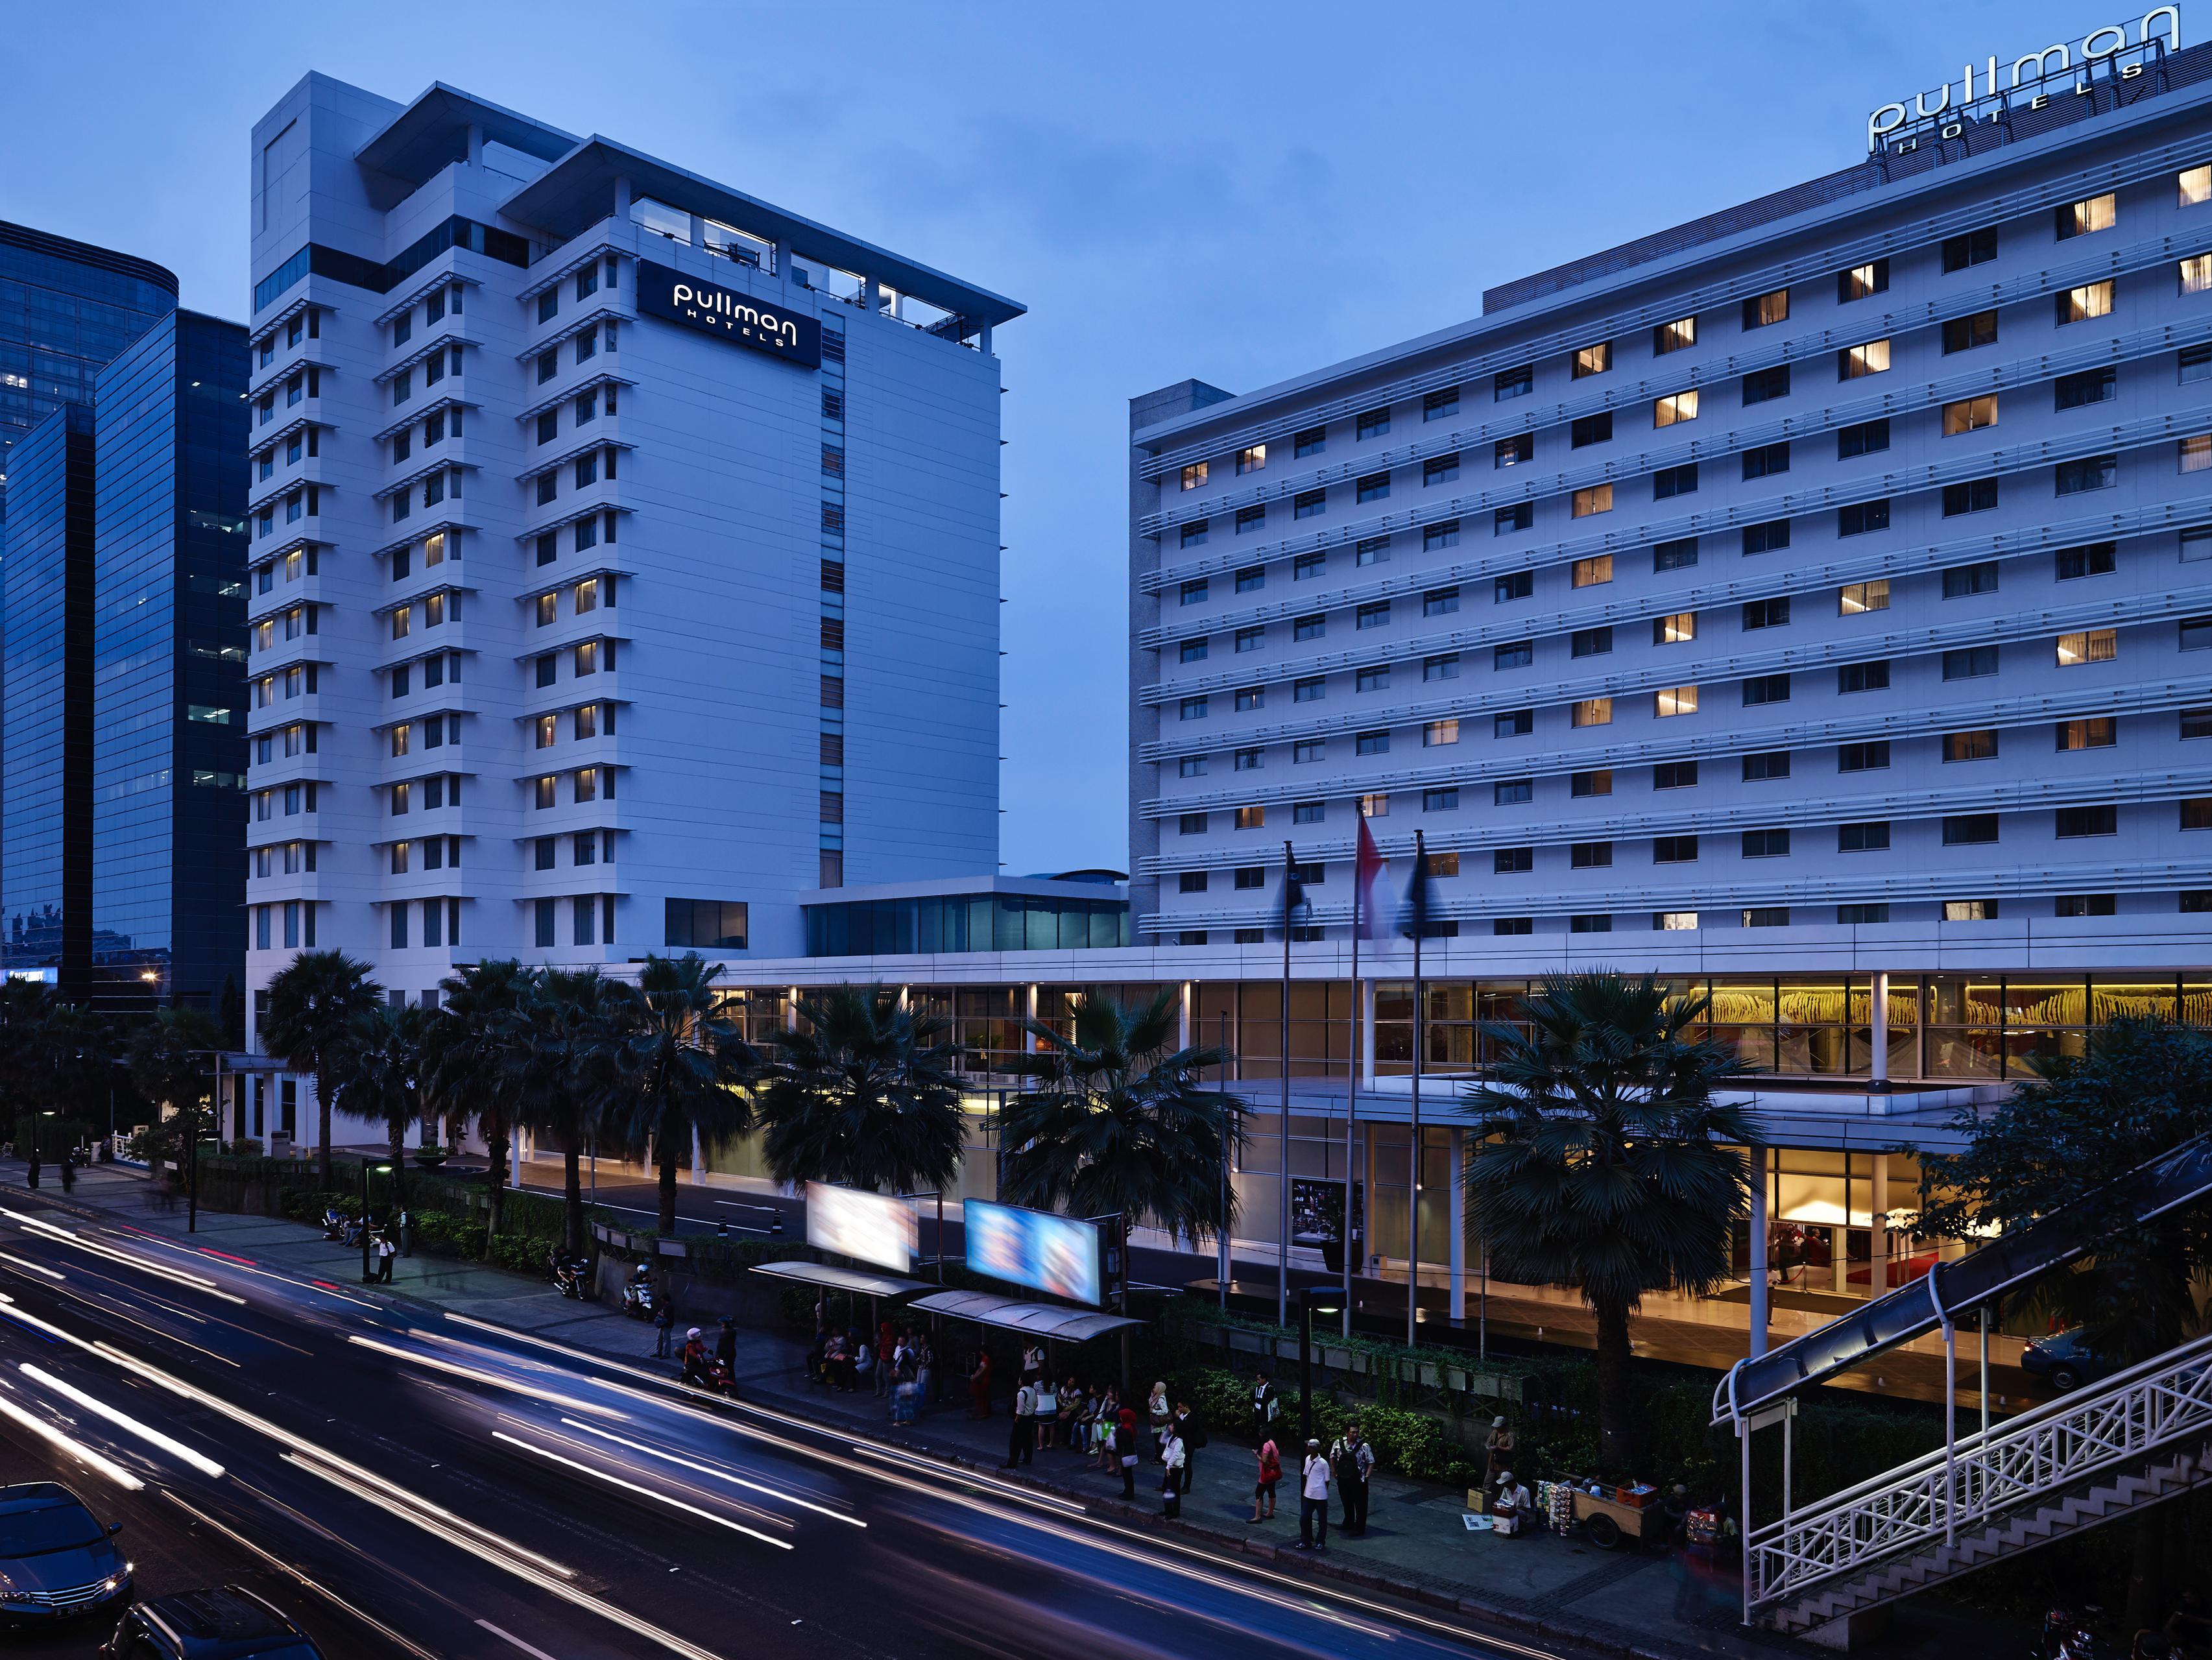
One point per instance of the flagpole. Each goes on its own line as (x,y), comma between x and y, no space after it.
(1420,912)
(1283,1134)
(1352,1078)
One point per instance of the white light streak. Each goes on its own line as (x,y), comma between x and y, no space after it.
(76,1449)
(174,1448)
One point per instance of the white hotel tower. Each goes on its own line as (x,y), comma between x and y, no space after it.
(624,551)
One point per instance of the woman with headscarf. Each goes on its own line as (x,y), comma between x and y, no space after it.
(1161,1416)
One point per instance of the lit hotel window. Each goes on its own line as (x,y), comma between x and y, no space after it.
(1194,475)
(1853,362)
(1673,337)
(1675,700)
(1252,459)
(1676,408)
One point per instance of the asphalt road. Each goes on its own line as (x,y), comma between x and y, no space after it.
(411,1483)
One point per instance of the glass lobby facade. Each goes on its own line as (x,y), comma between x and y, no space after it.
(168,654)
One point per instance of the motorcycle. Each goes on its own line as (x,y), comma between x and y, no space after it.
(2066,1635)
(570,1274)
(637,1294)
(709,1374)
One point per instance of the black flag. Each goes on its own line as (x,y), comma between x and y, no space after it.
(1294,907)
(1417,915)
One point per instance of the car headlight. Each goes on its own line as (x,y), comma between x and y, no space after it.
(16,1596)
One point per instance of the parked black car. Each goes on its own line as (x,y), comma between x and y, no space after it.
(2065,1361)
(227,1623)
(57,1562)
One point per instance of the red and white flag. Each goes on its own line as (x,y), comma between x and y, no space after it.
(1365,869)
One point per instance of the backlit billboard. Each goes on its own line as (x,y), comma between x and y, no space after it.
(866,1225)
(1034,1248)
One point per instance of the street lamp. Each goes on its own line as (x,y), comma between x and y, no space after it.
(382,1170)
(38,1141)
(1312,1300)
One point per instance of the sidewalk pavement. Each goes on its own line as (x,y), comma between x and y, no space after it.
(1562,1592)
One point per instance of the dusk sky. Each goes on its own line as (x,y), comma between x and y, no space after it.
(1239,193)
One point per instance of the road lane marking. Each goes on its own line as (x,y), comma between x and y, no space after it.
(509,1637)
(639,1489)
(719,1474)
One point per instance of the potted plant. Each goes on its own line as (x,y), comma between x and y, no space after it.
(429,1155)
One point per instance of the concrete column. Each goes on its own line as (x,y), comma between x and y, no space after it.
(1839,1262)
(514,1159)
(1367,1034)
(476,145)
(698,231)
(698,1159)
(1878,1282)
(1758,1265)
(622,201)
(1367,1189)
(1186,998)
(1456,1167)
(1879,1029)
(1029,1008)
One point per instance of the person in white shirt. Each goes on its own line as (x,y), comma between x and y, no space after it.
(1171,1457)
(1313,1499)
(1514,1508)
(1022,1442)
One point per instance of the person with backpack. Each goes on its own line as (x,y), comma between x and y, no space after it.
(1271,1472)
(1189,1430)
(1353,1463)
(1023,1437)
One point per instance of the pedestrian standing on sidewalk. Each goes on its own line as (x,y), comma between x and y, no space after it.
(1046,1406)
(1023,1437)
(1172,1457)
(979,1386)
(1266,1402)
(664,1322)
(1313,1499)
(726,1346)
(924,1371)
(386,1250)
(1498,1451)
(69,1170)
(1125,1449)
(1353,1461)
(1191,1431)
(1160,1415)
(1271,1472)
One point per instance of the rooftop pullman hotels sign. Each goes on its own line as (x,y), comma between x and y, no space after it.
(713,309)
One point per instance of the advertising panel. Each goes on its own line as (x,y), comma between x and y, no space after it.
(866,1225)
(1034,1248)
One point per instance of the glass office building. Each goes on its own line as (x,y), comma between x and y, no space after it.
(65,309)
(168,666)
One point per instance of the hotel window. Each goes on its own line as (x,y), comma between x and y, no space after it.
(1590,430)
(1308,751)
(2197,812)
(1765,461)
(2073,391)
(1513,654)
(2196,543)
(1312,441)
(1310,813)
(2196,273)
(1513,383)
(1307,566)
(1434,539)
(2102,731)
(1251,578)
(1673,337)
(1970,414)
(2082,218)
(1970,910)
(1251,459)
(1766,688)
(1680,554)
(1251,639)
(1674,922)
(1969,662)
(1251,519)
(1765,614)
(1854,598)
(1767,844)
(587,657)
(588,344)
(1194,534)
(586,719)
(1444,666)
(1674,851)
(1309,504)
(1194,475)
(1374,806)
(1249,760)
(2094,472)
(1674,776)
(1191,766)
(1374,615)
(1863,677)
(1856,363)
(1441,800)
(1436,406)
(1513,793)
(1589,856)
(588,410)
(1193,708)
(1519,516)
(1675,629)
(1674,700)
(2195,186)
(1251,819)
(1592,360)
(1975,495)
(1867,438)
(1193,651)
(1512,451)
(1869,756)
(1436,733)
(1373,487)
(1978,745)
(2194,455)
(1582,785)
(1976,247)
(1673,481)
(1517,586)
(1961,581)
(1440,602)
(1591,642)
(1675,408)
(1309,628)
(1764,385)
(1250,698)
(1376,678)
(1969,829)
(1766,768)
(1375,424)
(1440,469)
(1590,573)
(1591,712)
(2195,633)
(1591,500)
(1192,592)
(1590,924)
(2083,905)
(2087,646)
(547,731)
(1766,310)
(2090,299)
(1858,519)
(1513,723)
(1861,282)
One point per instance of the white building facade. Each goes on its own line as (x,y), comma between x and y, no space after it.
(625,551)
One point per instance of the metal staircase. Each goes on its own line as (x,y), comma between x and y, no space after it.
(2097,1456)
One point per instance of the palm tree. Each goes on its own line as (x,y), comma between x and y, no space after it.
(165,1057)
(560,1070)
(1605,1162)
(314,1002)
(464,1067)
(863,1093)
(380,1073)
(676,1066)
(1117,1124)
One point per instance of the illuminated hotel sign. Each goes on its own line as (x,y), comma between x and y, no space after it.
(2038,80)
(729,315)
